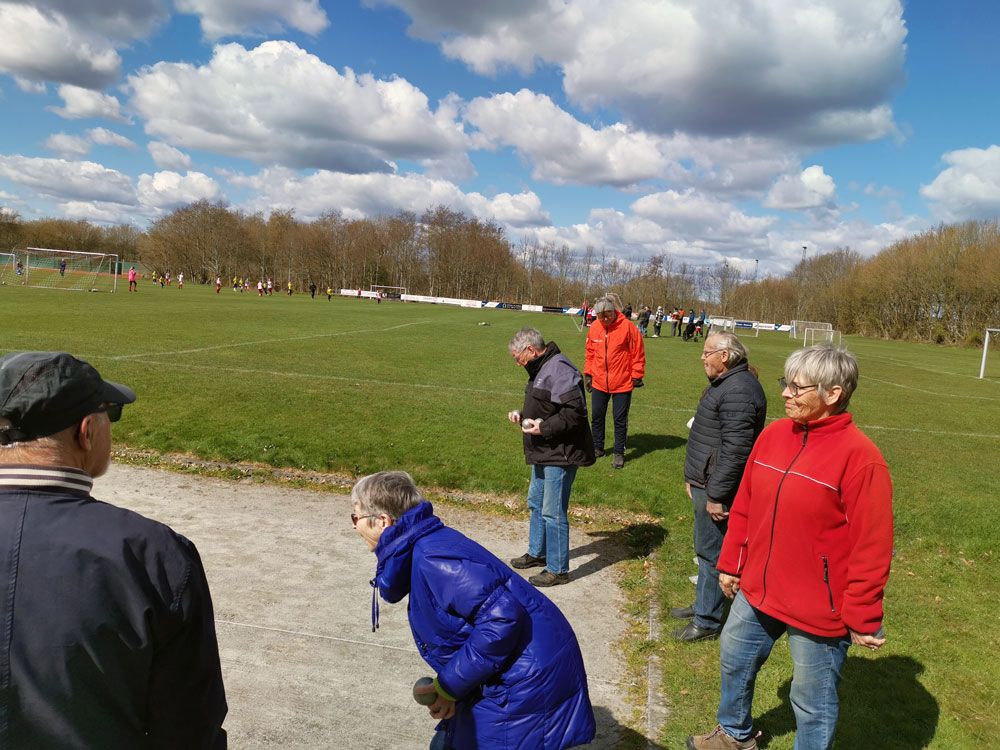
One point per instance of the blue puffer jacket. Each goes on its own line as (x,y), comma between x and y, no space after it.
(497,644)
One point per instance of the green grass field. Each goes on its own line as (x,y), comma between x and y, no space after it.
(353,387)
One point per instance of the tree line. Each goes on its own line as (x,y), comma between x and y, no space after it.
(942,285)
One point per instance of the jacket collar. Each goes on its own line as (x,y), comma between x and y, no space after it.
(395,550)
(741,367)
(826,426)
(535,365)
(46,477)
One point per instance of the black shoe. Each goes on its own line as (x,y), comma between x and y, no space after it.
(691,633)
(527,561)
(618,461)
(682,613)
(548,578)
(599,452)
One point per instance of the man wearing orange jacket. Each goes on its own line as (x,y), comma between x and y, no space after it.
(614,365)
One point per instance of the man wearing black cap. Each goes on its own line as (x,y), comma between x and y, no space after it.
(107,635)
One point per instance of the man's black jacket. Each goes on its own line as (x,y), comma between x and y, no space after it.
(107,636)
(730,416)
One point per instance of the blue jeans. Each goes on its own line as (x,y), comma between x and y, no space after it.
(708,536)
(620,403)
(548,528)
(746,643)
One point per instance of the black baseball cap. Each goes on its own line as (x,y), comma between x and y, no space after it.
(42,393)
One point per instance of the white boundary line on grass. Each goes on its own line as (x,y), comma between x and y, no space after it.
(121,357)
(314,376)
(918,367)
(932,393)
(930,432)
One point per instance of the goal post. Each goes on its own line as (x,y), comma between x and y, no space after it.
(990,333)
(798,327)
(7,262)
(720,323)
(389,292)
(72,270)
(813,336)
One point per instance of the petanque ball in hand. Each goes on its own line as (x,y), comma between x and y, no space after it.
(424,699)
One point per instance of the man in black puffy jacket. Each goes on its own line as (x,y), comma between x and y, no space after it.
(729,418)
(557,441)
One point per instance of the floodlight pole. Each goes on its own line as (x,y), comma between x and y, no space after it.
(986,348)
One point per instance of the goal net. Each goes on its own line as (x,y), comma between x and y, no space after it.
(6,267)
(389,292)
(799,327)
(722,324)
(66,269)
(992,335)
(813,336)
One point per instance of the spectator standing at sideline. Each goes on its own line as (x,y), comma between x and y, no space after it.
(813,566)
(218,284)
(312,290)
(615,365)
(730,416)
(133,285)
(643,320)
(657,322)
(107,635)
(557,441)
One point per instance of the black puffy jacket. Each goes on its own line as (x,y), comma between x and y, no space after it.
(729,418)
(554,394)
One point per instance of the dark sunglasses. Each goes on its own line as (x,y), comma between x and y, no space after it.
(114,411)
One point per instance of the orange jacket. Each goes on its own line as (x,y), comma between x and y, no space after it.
(614,355)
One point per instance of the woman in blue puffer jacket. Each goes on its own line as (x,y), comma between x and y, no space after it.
(508,665)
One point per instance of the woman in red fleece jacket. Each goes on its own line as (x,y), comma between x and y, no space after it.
(807,552)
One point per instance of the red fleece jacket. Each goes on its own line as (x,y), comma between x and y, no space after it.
(614,355)
(810,529)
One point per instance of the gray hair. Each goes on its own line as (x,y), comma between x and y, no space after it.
(524,338)
(604,304)
(389,492)
(731,343)
(48,450)
(826,366)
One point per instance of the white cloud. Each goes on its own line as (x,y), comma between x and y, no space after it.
(69,180)
(41,45)
(168,157)
(105,137)
(279,104)
(121,20)
(810,188)
(561,148)
(67,146)
(812,73)
(102,213)
(372,194)
(969,187)
(220,18)
(168,190)
(80,103)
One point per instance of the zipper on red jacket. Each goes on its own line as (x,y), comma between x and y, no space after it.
(826,580)
(774,515)
(607,372)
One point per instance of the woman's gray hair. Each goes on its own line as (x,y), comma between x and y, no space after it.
(730,342)
(389,492)
(524,338)
(604,304)
(824,365)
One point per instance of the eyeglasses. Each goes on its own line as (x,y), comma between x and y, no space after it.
(355,518)
(795,388)
(710,352)
(114,411)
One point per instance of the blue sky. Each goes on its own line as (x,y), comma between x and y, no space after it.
(736,130)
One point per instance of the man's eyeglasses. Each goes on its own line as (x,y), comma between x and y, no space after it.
(114,411)
(355,518)
(710,352)
(795,388)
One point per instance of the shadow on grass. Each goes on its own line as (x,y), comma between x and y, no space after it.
(614,736)
(641,444)
(629,543)
(882,704)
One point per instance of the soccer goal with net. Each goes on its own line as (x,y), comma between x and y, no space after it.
(720,323)
(73,270)
(991,333)
(812,336)
(389,292)
(6,267)
(799,327)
